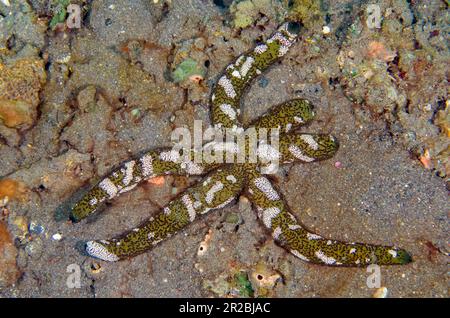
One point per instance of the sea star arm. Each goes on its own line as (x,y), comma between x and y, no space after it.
(131,173)
(308,246)
(301,147)
(227,93)
(286,116)
(295,147)
(213,192)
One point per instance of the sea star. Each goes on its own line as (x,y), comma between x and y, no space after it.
(225,182)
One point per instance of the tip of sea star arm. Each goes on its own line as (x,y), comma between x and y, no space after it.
(388,255)
(82,204)
(99,250)
(328,146)
(80,211)
(401,257)
(74,217)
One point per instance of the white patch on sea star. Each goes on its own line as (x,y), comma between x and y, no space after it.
(223,204)
(227,87)
(197,204)
(236,74)
(259,49)
(227,147)
(312,236)
(297,253)
(126,189)
(170,156)
(191,167)
(298,120)
(109,187)
(231,178)
(239,60)
(210,194)
(268,215)
(310,141)
(264,185)
(228,110)
(189,207)
(96,249)
(276,233)
(129,168)
(297,153)
(208,180)
(247,66)
(267,153)
(326,259)
(147,165)
(393,253)
(288,127)
(156,242)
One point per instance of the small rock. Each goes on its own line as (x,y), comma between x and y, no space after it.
(381,292)
(199,267)
(204,244)
(20,85)
(326,30)
(57,237)
(36,228)
(21,224)
(12,189)
(264,279)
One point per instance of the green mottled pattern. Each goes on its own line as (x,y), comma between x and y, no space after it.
(95,198)
(287,116)
(261,61)
(311,247)
(83,208)
(326,147)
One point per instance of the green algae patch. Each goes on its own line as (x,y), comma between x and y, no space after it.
(186,69)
